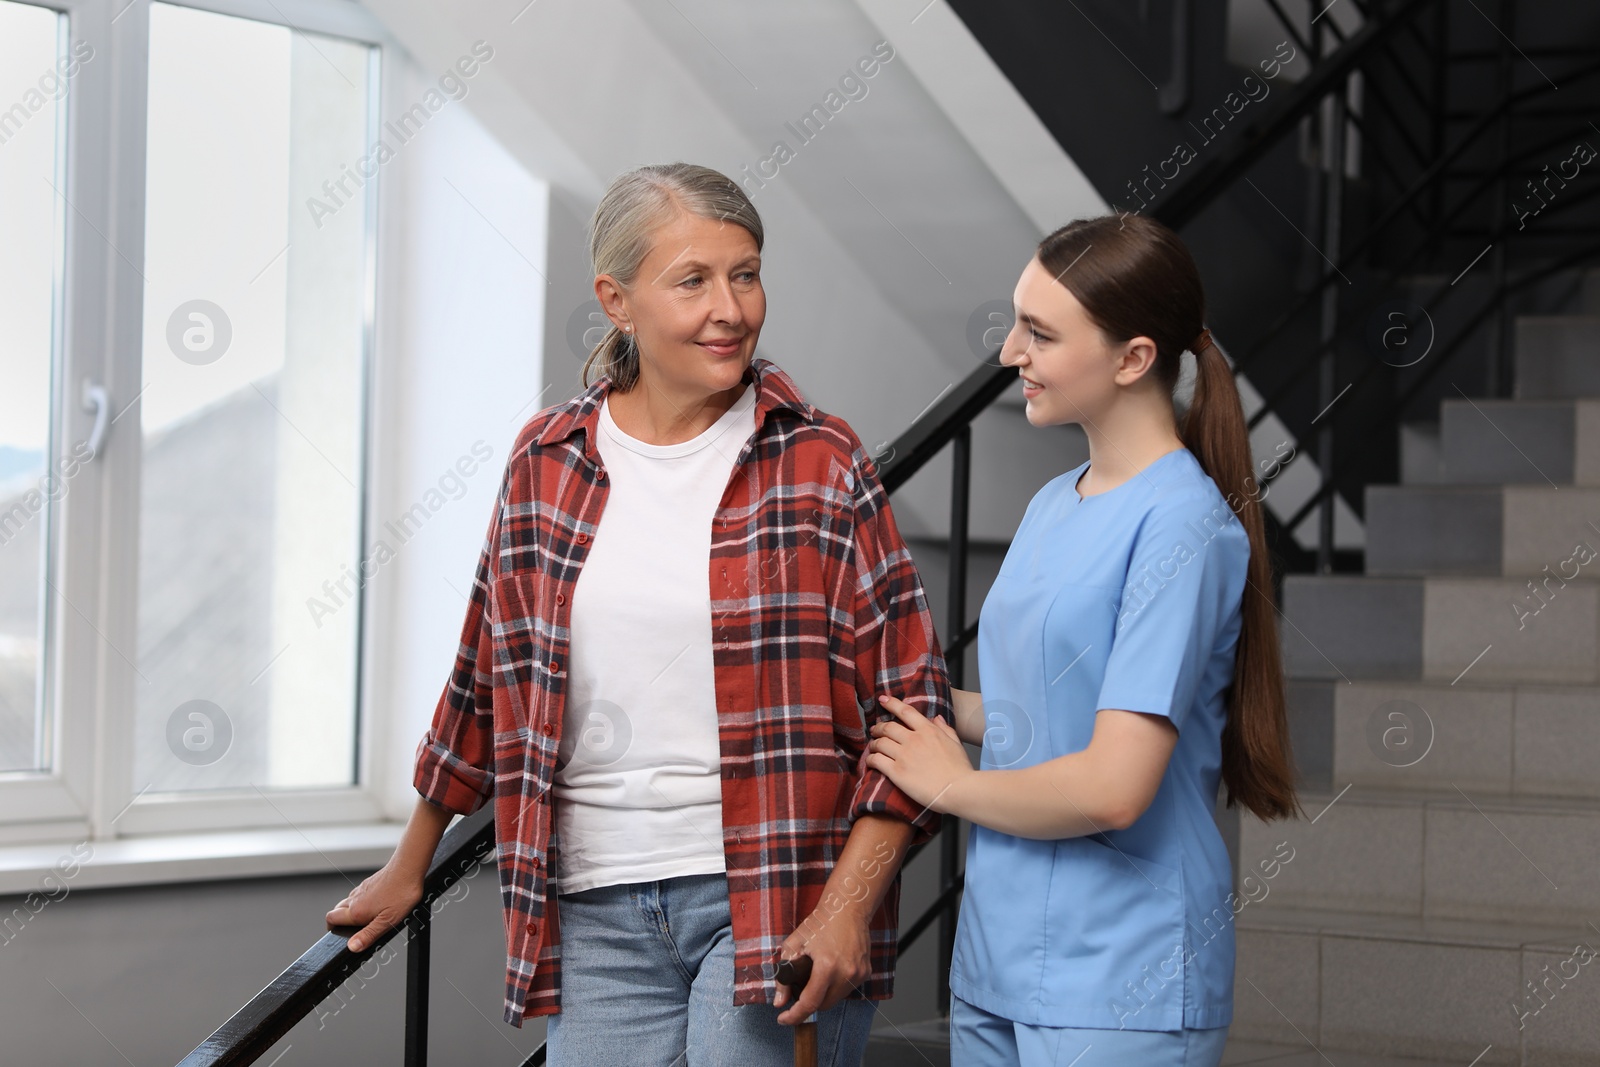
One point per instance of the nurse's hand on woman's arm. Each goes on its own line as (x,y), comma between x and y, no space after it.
(925,759)
(1105,786)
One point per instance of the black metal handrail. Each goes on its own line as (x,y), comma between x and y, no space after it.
(313,977)
(1367,448)
(1434,300)
(1437,172)
(322,968)
(1186,199)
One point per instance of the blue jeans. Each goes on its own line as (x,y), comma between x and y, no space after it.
(647,978)
(981,1039)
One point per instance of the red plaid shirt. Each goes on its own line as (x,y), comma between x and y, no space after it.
(816,608)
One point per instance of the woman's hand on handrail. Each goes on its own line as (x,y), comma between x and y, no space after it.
(385,897)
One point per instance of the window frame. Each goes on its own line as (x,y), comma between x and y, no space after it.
(91,611)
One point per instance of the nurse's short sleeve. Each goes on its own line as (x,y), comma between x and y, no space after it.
(1185,582)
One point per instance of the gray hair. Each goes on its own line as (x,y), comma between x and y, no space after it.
(620,236)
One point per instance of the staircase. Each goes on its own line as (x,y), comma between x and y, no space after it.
(1443,899)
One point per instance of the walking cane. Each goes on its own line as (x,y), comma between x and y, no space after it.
(795,974)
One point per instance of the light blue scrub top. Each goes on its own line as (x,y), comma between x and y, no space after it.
(1125,599)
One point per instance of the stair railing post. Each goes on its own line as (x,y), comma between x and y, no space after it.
(1499,370)
(419,930)
(1333,135)
(1441,87)
(956,616)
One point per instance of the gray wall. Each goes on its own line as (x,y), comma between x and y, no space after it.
(143,975)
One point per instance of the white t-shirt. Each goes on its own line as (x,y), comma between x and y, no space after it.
(638,785)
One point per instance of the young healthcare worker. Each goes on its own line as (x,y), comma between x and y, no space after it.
(1128,657)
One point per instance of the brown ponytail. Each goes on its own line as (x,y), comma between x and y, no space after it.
(1135,278)
(1257,763)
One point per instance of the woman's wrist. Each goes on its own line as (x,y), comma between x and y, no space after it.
(409,868)
(867,866)
(420,840)
(967,707)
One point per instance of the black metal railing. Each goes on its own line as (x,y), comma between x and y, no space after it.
(1419,188)
(326,965)
(1375,389)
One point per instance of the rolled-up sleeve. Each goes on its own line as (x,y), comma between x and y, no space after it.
(897,651)
(454,758)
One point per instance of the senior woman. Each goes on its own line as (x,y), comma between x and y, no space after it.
(690,595)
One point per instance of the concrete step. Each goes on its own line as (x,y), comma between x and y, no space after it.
(1520,442)
(1458,992)
(1507,740)
(1355,627)
(1420,460)
(1514,531)
(1434,529)
(1557,356)
(1450,853)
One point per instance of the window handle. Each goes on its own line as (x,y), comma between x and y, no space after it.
(97,400)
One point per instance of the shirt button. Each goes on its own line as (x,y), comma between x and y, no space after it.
(547,729)
(537,863)
(583,539)
(555,666)
(600,475)
(561,598)
(533,928)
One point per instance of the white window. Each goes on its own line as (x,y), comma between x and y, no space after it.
(35,72)
(250,406)
(187,258)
